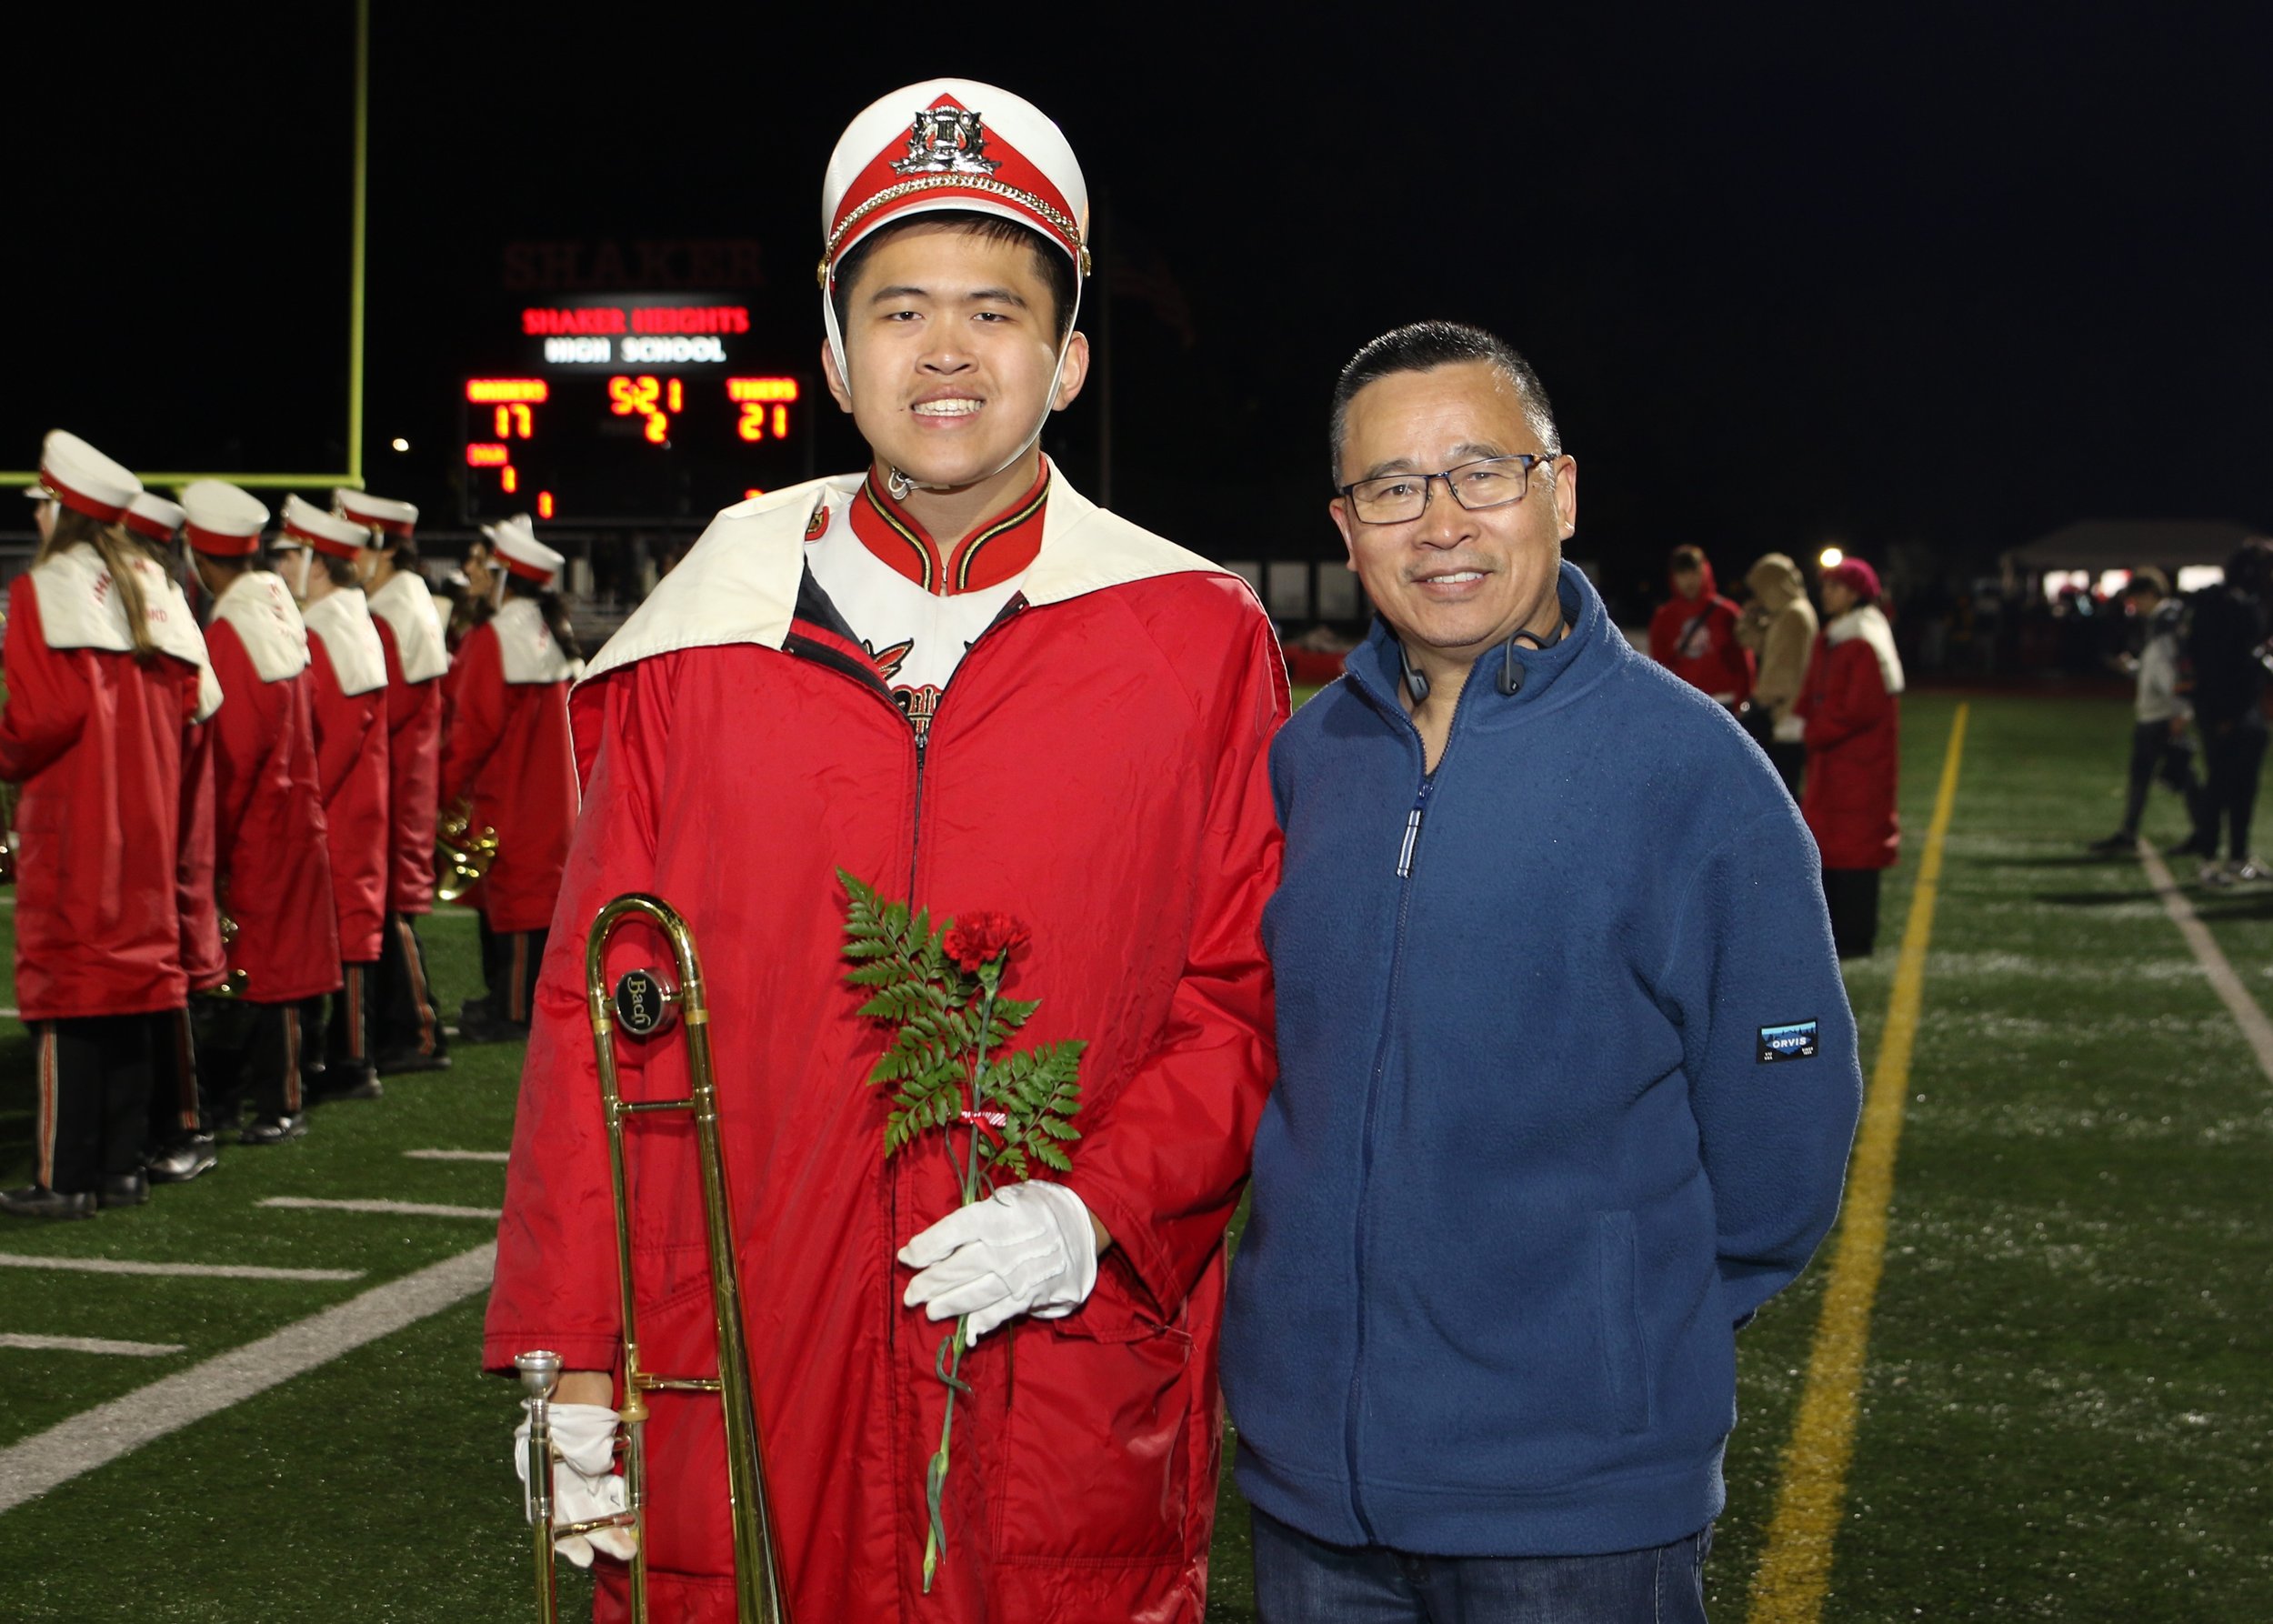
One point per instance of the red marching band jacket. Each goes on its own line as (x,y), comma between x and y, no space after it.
(1853,735)
(410,635)
(507,746)
(98,741)
(348,672)
(273,870)
(1097,768)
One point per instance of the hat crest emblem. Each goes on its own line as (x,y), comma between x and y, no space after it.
(945,140)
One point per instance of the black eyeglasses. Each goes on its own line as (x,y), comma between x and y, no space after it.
(1399,498)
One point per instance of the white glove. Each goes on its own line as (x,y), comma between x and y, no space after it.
(1028,1249)
(583,1486)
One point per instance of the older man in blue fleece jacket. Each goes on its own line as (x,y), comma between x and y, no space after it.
(1567,1074)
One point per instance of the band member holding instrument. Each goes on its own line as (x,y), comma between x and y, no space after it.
(181,1141)
(507,758)
(104,667)
(407,1021)
(347,676)
(272,872)
(955,677)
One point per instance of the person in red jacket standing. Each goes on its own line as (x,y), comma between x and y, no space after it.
(406,1020)
(272,874)
(1854,749)
(951,676)
(507,758)
(181,1141)
(347,669)
(103,665)
(1694,632)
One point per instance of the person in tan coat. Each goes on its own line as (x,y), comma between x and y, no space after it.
(1779,627)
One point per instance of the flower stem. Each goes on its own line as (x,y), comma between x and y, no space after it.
(936,1475)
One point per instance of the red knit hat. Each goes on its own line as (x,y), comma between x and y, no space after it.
(1856,575)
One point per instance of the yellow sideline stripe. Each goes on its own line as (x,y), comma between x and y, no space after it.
(1796,1568)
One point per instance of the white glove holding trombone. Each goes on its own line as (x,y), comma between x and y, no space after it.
(581,1441)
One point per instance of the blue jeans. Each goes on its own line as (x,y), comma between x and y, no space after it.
(1302,1581)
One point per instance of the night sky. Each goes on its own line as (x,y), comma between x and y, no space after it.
(1936,278)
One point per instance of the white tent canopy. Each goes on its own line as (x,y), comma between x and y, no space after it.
(2097,545)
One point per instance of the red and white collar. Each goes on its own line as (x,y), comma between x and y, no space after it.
(990,555)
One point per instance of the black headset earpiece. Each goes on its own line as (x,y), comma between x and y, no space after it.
(1510,673)
(1415,683)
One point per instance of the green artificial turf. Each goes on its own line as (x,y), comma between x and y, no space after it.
(2064,1416)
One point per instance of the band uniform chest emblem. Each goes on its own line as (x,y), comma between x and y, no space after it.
(946,140)
(818,525)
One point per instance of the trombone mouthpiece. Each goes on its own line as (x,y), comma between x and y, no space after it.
(540,1372)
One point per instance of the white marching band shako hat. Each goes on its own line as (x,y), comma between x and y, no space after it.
(951,143)
(83,479)
(153,516)
(377,513)
(307,526)
(222,520)
(513,540)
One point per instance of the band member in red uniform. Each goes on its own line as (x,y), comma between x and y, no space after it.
(104,666)
(406,1020)
(506,756)
(955,677)
(347,668)
(181,1142)
(1694,632)
(272,872)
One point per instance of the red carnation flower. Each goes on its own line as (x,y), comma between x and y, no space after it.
(978,937)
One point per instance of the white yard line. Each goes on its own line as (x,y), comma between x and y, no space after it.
(139,1350)
(2246,1015)
(399,1208)
(496,1156)
(207,1271)
(96,1436)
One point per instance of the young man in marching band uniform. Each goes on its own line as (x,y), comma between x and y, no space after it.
(406,1020)
(272,872)
(347,674)
(507,758)
(181,1142)
(958,679)
(105,679)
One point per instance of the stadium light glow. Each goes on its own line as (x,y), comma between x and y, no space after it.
(1831,557)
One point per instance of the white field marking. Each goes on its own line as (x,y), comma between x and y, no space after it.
(97,1436)
(399,1208)
(2220,975)
(139,1350)
(208,1271)
(11,1015)
(496,1156)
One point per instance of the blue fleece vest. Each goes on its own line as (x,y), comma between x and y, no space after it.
(1568,1081)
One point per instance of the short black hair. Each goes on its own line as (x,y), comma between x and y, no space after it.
(2148,578)
(1425,346)
(1057,270)
(1685,557)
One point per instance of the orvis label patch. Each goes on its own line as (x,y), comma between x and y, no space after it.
(1793,1042)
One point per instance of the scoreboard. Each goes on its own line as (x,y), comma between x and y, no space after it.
(640,407)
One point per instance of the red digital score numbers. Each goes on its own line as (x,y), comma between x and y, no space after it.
(761,405)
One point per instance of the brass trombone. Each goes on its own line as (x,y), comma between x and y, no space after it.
(462,853)
(645,1004)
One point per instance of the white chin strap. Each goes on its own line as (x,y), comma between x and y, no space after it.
(899,482)
(300,582)
(497,588)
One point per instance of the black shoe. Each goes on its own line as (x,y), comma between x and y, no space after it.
(476,1024)
(352,1085)
(38,1201)
(2116,844)
(183,1159)
(273,1130)
(123,1189)
(2191,847)
(396,1061)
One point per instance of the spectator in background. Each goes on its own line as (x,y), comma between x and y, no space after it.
(1852,736)
(1780,628)
(1694,633)
(2227,647)
(2161,741)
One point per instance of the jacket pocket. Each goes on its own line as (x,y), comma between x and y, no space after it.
(1617,1299)
(1098,1437)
